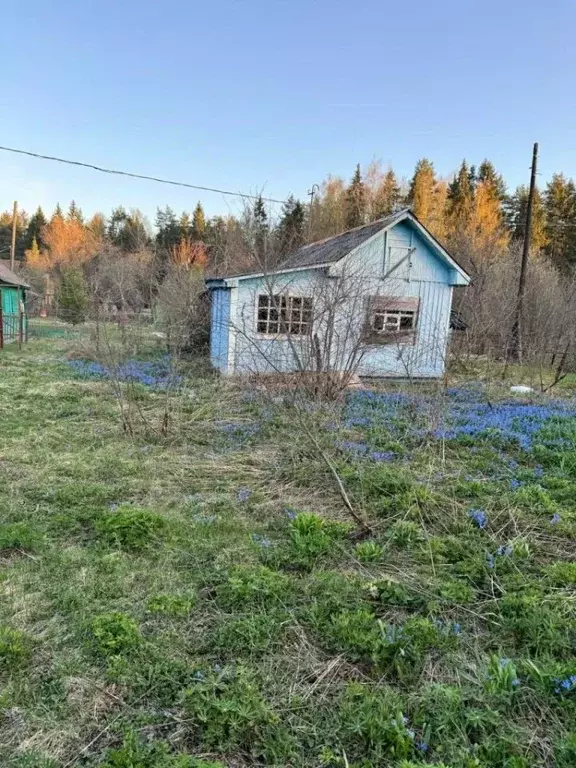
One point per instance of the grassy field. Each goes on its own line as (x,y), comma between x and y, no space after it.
(199,595)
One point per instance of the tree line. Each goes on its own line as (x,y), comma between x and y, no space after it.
(473,214)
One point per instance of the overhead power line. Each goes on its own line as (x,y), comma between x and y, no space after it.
(138,175)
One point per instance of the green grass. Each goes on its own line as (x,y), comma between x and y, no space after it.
(203,599)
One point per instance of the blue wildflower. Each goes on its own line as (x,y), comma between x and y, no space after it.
(382,455)
(204,519)
(261,541)
(243,494)
(422,746)
(539,471)
(515,682)
(555,519)
(456,628)
(567,685)
(349,446)
(290,513)
(504,551)
(515,484)
(490,561)
(479,517)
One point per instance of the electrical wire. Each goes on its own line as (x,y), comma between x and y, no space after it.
(138,175)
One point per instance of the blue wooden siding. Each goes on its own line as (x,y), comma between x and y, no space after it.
(253,352)
(220,328)
(237,347)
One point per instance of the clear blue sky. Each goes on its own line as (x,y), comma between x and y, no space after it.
(271,96)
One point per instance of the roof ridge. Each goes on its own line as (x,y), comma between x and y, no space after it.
(406,209)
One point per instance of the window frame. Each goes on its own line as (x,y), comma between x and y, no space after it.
(286,301)
(392,309)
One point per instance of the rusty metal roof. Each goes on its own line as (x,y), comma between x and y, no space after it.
(9,278)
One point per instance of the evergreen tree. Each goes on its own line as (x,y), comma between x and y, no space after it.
(75,213)
(168,229)
(72,296)
(516,209)
(35,229)
(356,201)
(97,225)
(387,196)
(485,223)
(421,191)
(128,231)
(290,230)
(33,255)
(6,234)
(185,226)
(260,220)
(198,222)
(487,175)
(460,200)
(560,228)
(57,213)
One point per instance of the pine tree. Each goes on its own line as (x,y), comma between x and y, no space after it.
(168,229)
(290,230)
(487,174)
(356,201)
(128,231)
(75,213)
(486,226)
(33,256)
(185,224)
(516,209)
(460,200)
(72,296)
(387,196)
(57,213)
(421,191)
(198,222)
(35,229)
(260,220)
(560,207)
(97,225)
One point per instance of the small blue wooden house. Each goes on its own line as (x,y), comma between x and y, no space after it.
(377,298)
(12,306)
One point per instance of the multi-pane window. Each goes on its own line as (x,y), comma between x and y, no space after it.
(392,320)
(280,314)
(386,321)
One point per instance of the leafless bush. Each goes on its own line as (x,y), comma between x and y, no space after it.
(183,309)
(549,321)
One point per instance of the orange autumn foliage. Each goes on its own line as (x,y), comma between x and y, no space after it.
(68,242)
(189,253)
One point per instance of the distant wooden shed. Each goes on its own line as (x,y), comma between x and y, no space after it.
(13,320)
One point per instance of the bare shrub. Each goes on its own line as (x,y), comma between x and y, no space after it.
(183,309)
(488,306)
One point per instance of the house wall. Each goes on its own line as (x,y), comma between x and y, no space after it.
(220,328)
(422,275)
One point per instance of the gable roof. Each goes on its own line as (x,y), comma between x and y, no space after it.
(9,278)
(332,249)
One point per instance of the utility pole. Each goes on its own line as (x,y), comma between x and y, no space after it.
(517,330)
(315,188)
(13,246)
